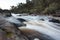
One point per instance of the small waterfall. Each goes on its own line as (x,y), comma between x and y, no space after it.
(43,26)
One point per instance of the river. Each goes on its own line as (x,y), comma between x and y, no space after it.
(42,24)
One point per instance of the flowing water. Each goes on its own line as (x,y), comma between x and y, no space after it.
(42,24)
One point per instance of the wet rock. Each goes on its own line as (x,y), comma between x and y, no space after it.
(21,20)
(15,21)
(5,13)
(19,25)
(32,34)
(54,20)
(42,19)
(12,32)
(8,15)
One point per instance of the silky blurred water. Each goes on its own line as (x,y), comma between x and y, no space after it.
(43,26)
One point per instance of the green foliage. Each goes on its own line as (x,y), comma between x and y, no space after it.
(39,6)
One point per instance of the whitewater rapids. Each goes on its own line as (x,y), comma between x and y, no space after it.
(49,28)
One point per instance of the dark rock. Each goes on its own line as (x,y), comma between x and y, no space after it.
(19,25)
(8,15)
(42,19)
(21,20)
(5,12)
(54,20)
(15,21)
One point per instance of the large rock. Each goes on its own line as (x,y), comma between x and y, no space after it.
(54,20)
(21,20)
(5,12)
(15,21)
(12,32)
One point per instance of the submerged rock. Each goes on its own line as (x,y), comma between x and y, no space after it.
(54,20)
(42,19)
(21,20)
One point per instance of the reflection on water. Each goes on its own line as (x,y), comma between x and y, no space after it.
(43,26)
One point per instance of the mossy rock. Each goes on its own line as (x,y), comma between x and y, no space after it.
(9,34)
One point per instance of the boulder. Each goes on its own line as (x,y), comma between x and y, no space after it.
(42,19)
(10,31)
(21,20)
(54,20)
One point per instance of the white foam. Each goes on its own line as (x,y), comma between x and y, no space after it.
(36,39)
(45,27)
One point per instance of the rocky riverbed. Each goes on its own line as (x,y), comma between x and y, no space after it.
(44,24)
(29,28)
